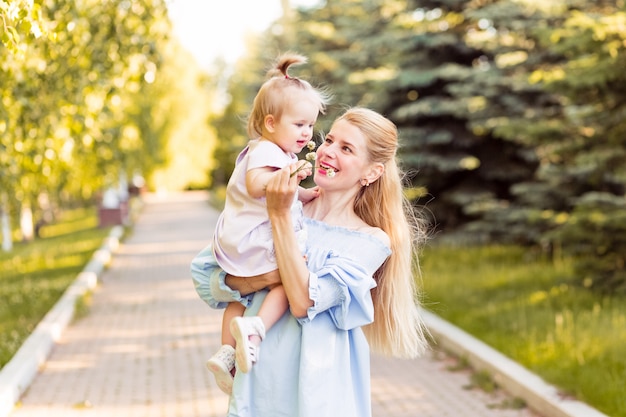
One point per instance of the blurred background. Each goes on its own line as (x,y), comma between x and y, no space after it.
(512,113)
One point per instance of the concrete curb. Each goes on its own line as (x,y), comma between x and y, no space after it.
(19,372)
(514,378)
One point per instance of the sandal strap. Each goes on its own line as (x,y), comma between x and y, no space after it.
(253,352)
(258,328)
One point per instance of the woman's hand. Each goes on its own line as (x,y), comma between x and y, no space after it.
(294,274)
(280,191)
(248,285)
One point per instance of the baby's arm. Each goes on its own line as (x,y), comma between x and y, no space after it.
(307,194)
(257,179)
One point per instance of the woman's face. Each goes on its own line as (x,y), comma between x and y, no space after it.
(343,151)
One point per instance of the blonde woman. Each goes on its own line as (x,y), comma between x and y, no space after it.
(355,290)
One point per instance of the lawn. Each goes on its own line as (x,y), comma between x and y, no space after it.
(527,307)
(34,275)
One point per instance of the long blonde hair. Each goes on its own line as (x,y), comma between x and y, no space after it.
(398,329)
(272,98)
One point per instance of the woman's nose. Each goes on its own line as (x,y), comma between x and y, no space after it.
(328,151)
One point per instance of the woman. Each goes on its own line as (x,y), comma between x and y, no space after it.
(357,272)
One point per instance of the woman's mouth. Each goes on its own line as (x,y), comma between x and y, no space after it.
(327,170)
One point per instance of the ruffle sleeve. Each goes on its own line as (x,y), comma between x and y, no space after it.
(341,287)
(209,281)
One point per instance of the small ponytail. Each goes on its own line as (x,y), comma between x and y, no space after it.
(283,62)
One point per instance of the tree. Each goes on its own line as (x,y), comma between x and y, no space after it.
(174,115)
(412,61)
(19,19)
(590,164)
(241,85)
(65,131)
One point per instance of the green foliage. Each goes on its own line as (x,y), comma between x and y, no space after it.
(82,306)
(66,124)
(571,337)
(600,261)
(19,19)
(35,275)
(174,119)
(103,94)
(413,61)
(484,381)
(230,125)
(588,167)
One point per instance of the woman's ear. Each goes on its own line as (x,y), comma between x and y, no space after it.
(270,123)
(375,172)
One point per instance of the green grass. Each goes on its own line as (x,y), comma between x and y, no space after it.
(526,307)
(34,275)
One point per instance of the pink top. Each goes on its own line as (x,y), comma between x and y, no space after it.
(242,242)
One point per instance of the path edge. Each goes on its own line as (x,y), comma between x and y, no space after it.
(17,375)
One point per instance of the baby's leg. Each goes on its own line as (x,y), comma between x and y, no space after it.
(222,363)
(274,306)
(272,309)
(250,331)
(233,309)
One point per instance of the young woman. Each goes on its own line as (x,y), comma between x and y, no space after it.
(355,289)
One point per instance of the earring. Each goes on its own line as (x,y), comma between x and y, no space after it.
(365,182)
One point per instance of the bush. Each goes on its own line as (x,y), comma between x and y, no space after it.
(595,235)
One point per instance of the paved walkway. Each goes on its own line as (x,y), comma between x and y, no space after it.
(141,350)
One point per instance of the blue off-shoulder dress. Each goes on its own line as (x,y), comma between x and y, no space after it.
(319,365)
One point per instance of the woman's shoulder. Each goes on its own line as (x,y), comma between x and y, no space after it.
(367,248)
(364,241)
(377,232)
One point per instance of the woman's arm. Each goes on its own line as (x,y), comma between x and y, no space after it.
(208,279)
(249,285)
(293,270)
(217,288)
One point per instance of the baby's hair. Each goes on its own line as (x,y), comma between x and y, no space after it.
(282,64)
(272,99)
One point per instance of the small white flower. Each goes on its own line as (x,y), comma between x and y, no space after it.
(311,157)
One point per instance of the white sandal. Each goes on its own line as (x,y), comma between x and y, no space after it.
(221,365)
(246,352)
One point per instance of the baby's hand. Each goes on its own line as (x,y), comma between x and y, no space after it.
(307,194)
(304,170)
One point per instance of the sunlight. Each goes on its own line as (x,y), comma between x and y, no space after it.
(218,29)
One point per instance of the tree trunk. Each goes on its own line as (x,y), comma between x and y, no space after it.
(7,240)
(26,222)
